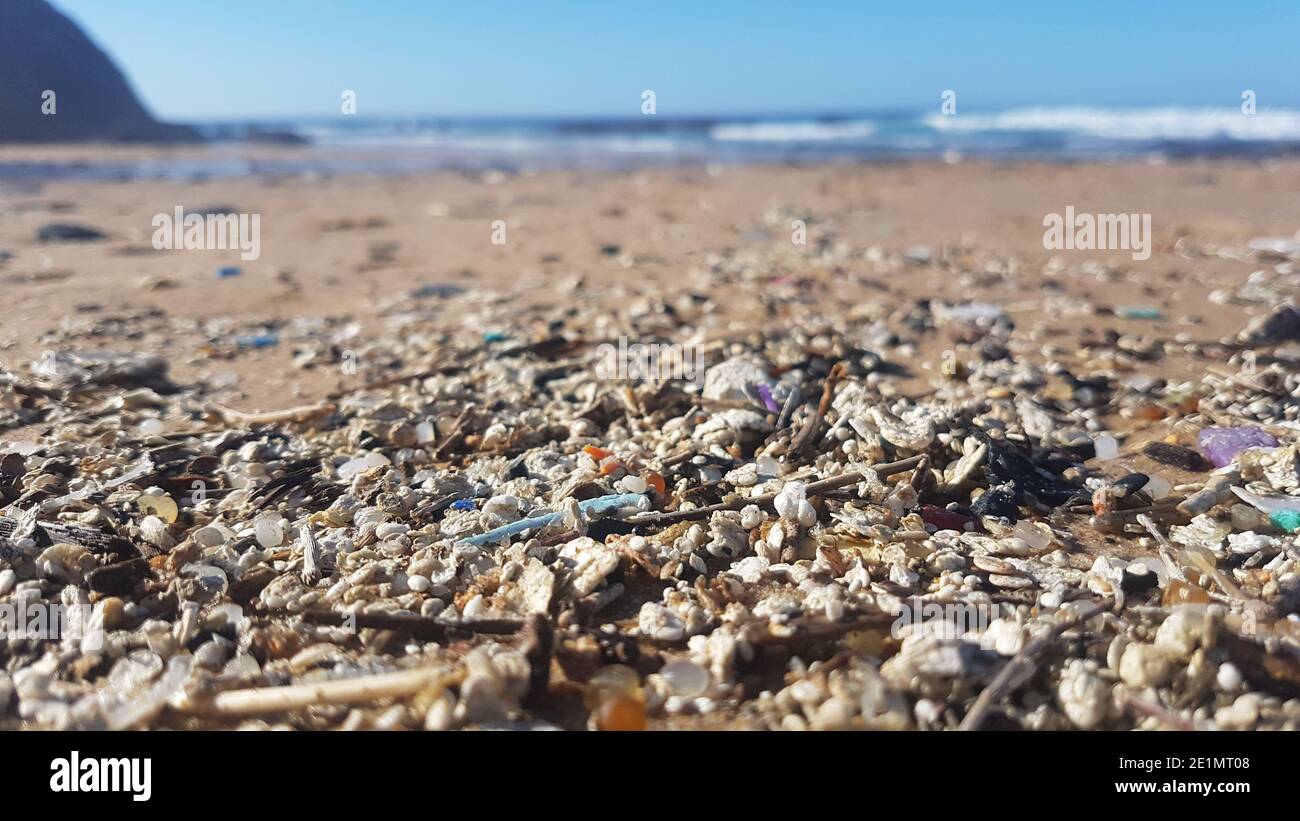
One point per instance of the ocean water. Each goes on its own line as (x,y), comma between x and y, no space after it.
(346,145)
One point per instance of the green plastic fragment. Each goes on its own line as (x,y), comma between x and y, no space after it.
(1288,520)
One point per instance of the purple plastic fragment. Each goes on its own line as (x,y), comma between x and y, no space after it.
(1221,445)
(765,394)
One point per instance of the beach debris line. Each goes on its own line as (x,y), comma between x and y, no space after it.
(478,525)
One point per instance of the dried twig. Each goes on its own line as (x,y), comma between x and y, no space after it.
(258,700)
(454,434)
(389,381)
(93,540)
(1173,720)
(1166,550)
(1021,667)
(421,627)
(812,425)
(1243,381)
(538,646)
(302,413)
(311,557)
(810,631)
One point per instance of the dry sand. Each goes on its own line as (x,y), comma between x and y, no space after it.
(348,247)
(882,236)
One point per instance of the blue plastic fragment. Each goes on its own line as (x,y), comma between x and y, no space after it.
(463,504)
(601,505)
(494,336)
(257,340)
(229,271)
(438,290)
(1138,312)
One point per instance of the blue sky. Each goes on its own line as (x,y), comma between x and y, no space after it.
(196,59)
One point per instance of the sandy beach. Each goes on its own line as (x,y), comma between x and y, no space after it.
(420,352)
(388,379)
(352,249)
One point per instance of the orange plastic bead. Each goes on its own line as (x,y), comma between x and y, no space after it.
(657,482)
(596,453)
(621,713)
(1150,413)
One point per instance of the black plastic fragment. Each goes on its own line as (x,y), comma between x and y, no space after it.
(1129,484)
(1176,456)
(1005,465)
(998,501)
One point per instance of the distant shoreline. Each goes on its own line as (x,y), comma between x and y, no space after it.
(234,158)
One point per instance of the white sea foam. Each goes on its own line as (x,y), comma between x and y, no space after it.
(1134,124)
(501,142)
(792,132)
(380,138)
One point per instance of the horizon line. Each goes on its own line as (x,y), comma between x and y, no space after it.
(695,116)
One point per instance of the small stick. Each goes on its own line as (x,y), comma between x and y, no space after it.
(807,631)
(420,627)
(1242,381)
(791,402)
(1174,720)
(1166,549)
(94,540)
(1020,668)
(559,538)
(397,380)
(676,459)
(920,475)
(1161,506)
(302,413)
(538,646)
(311,557)
(257,700)
(812,424)
(811,631)
(454,434)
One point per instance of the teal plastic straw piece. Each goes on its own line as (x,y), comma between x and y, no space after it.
(601,505)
